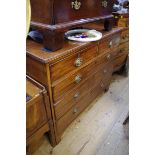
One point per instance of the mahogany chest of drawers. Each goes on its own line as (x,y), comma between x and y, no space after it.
(76,74)
(38,115)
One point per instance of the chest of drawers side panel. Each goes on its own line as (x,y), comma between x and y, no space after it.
(36,70)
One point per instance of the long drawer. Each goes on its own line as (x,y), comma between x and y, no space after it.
(64,121)
(72,62)
(70,99)
(109,42)
(71,81)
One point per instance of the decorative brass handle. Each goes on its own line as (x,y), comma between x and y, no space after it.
(104,3)
(78,62)
(75,110)
(78,78)
(77,95)
(109,56)
(110,44)
(76,5)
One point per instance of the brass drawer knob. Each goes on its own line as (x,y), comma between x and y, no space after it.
(77,95)
(78,78)
(75,110)
(109,56)
(78,62)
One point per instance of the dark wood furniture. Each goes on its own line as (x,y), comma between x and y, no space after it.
(121,19)
(38,116)
(76,74)
(52,18)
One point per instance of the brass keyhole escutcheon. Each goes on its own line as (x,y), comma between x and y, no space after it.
(76,5)
(104,3)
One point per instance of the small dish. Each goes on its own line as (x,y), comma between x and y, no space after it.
(83,35)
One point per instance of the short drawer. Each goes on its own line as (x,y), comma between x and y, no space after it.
(125,36)
(72,62)
(109,43)
(71,81)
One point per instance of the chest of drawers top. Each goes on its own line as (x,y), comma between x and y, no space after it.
(38,52)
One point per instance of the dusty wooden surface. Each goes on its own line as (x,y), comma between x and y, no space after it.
(98,130)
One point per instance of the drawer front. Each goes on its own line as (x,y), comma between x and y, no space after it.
(73,62)
(109,42)
(71,98)
(77,94)
(73,80)
(123,48)
(63,122)
(125,36)
(35,115)
(118,62)
(105,58)
(104,73)
(99,88)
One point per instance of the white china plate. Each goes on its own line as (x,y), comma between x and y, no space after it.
(70,35)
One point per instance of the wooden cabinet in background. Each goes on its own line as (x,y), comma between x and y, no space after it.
(38,115)
(121,19)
